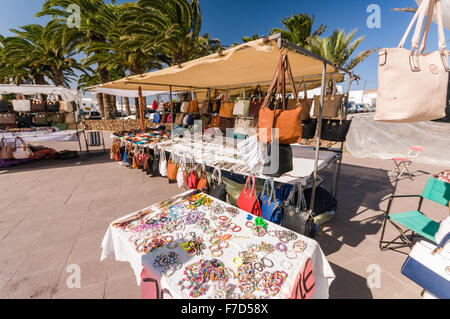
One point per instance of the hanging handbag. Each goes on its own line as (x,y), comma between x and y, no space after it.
(309,128)
(69,118)
(287,122)
(65,106)
(24,120)
(245,126)
(163,118)
(215,105)
(335,130)
(215,121)
(331,103)
(205,106)
(305,103)
(179,119)
(181,174)
(8,118)
(155,165)
(172,169)
(5,106)
(52,103)
(169,118)
(21,151)
(161,107)
(162,163)
(296,217)
(193,105)
(278,160)
(185,105)
(203,180)
(241,107)
(412,85)
(217,187)
(154,105)
(41,119)
(227,107)
(5,150)
(429,267)
(271,209)
(256,102)
(156,118)
(193,177)
(56,117)
(248,200)
(225,124)
(37,104)
(21,104)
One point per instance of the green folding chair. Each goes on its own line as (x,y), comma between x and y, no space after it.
(415,221)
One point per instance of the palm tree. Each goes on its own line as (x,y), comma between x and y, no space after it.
(37,52)
(90,12)
(339,48)
(299,29)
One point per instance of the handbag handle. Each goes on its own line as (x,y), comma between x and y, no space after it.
(21,140)
(305,91)
(219,178)
(269,184)
(250,180)
(443,241)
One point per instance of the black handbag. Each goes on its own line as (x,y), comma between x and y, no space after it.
(309,128)
(41,119)
(155,165)
(323,200)
(24,120)
(5,106)
(278,160)
(335,130)
(217,187)
(296,216)
(52,103)
(37,104)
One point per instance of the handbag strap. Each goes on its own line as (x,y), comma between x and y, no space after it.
(269,184)
(442,243)
(21,140)
(219,178)
(250,180)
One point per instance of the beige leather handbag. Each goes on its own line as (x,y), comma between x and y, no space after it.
(331,103)
(412,86)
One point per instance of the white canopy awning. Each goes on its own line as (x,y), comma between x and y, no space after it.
(127,93)
(66,94)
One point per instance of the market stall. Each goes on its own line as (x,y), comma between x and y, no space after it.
(195,246)
(39,113)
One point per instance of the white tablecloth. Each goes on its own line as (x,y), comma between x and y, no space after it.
(41,136)
(121,243)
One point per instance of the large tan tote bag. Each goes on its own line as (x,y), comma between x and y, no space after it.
(412,86)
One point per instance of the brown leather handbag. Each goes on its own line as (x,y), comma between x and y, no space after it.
(204,108)
(227,107)
(226,124)
(256,102)
(193,105)
(203,180)
(305,102)
(172,169)
(288,122)
(215,121)
(5,150)
(179,119)
(8,118)
(37,103)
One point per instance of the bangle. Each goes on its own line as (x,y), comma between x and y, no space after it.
(168,238)
(223,218)
(281,247)
(172,245)
(225,243)
(238,261)
(284,262)
(251,224)
(261,266)
(213,253)
(268,266)
(291,255)
(236,227)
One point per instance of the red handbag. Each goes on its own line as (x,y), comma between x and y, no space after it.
(193,177)
(248,200)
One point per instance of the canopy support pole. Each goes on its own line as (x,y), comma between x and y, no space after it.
(319,135)
(171,113)
(141,109)
(123,120)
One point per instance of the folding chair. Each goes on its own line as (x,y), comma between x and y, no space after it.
(402,163)
(95,138)
(415,221)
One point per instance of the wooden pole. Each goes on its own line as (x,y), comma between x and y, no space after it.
(141,109)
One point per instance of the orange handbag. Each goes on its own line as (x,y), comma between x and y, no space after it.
(227,107)
(172,169)
(193,105)
(288,122)
(203,180)
(204,108)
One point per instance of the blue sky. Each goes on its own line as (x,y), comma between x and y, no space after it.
(231,19)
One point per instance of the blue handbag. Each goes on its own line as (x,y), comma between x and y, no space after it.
(270,207)
(156,118)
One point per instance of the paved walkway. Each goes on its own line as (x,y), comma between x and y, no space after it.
(55,213)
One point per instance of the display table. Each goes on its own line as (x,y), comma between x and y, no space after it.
(200,247)
(41,136)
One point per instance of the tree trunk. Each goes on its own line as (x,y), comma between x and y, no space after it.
(109,107)
(99,97)
(138,109)
(127,106)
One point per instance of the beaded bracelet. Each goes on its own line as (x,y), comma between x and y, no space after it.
(286,253)
(236,229)
(281,247)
